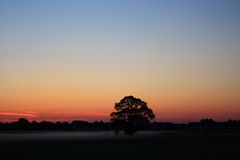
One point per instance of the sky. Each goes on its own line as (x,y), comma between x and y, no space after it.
(62,60)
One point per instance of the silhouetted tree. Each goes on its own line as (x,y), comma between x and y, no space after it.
(22,124)
(207,124)
(131,115)
(23,121)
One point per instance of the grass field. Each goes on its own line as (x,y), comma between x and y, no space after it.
(157,146)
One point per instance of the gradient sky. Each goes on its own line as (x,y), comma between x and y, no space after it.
(69,59)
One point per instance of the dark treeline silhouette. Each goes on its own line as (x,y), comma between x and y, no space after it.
(205,125)
(24,125)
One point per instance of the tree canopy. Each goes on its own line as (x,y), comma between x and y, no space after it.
(131,115)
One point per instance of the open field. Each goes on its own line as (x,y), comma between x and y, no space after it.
(106,145)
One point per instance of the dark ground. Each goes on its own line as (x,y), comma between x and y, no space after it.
(192,146)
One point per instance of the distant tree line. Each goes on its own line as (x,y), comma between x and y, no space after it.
(24,125)
(204,125)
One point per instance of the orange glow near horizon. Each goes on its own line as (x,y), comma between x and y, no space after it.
(58,98)
(182,109)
